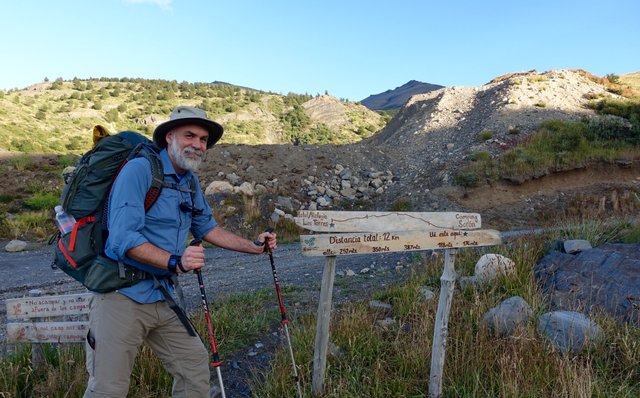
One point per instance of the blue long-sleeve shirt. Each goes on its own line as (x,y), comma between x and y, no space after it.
(164,225)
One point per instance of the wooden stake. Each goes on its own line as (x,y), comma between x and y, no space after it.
(440,331)
(322,326)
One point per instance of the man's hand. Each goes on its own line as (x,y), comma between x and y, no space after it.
(193,258)
(270,239)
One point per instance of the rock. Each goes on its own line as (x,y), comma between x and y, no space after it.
(379,305)
(365,270)
(323,201)
(576,246)
(217,187)
(15,246)
(350,273)
(604,279)
(468,282)
(569,331)
(246,189)
(385,323)
(505,318)
(427,293)
(285,202)
(233,178)
(490,266)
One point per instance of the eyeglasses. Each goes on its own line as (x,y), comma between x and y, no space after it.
(187,208)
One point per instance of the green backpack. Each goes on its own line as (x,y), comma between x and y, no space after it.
(85,197)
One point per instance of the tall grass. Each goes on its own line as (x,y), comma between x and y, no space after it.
(368,360)
(371,361)
(63,373)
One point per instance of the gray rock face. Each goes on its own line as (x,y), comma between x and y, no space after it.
(606,278)
(569,331)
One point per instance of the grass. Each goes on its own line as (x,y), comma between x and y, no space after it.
(370,361)
(395,362)
(562,145)
(63,373)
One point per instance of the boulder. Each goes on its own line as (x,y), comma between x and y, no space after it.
(15,246)
(569,331)
(605,279)
(507,317)
(491,266)
(217,187)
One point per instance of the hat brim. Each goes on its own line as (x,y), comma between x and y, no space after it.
(160,133)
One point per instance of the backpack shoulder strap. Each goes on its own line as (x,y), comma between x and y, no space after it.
(150,152)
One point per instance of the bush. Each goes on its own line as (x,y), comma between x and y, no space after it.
(610,127)
(486,135)
(402,204)
(480,155)
(42,201)
(467,179)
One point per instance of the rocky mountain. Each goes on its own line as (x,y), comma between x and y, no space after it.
(394,99)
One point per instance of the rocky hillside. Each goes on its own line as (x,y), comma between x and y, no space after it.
(437,130)
(394,99)
(408,165)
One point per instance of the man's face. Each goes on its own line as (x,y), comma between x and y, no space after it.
(187,146)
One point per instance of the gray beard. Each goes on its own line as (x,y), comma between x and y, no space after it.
(182,160)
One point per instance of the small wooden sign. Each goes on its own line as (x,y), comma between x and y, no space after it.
(48,306)
(378,221)
(47,332)
(380,242)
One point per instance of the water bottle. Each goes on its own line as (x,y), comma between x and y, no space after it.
(64,220)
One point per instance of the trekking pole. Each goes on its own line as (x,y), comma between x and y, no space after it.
(216,359)
(283,315)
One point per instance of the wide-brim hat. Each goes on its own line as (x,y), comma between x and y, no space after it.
(182,115)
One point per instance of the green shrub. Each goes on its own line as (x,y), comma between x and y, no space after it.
(610,127)
(486,135)
(42,201)
(480,155)
(467,179)
(4,198)
(67,160)
(22,162)
(402,204)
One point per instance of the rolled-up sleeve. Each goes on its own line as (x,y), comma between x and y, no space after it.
(126,208)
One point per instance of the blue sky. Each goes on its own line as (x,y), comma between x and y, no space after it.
(349,48)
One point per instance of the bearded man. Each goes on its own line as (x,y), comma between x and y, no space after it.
(154,242)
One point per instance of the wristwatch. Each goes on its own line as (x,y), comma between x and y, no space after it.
(174,263)
(258,243)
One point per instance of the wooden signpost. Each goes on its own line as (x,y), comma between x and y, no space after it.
(351,233)
(48,319)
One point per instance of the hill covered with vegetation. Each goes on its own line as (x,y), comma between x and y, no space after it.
(57,116)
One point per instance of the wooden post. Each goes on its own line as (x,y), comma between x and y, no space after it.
(37,354)
(322,326)
(440,331)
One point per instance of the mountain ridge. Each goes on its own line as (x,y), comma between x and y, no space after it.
(393,99)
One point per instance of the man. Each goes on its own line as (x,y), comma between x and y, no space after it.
(154,242)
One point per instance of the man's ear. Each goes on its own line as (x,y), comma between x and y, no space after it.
(169,137)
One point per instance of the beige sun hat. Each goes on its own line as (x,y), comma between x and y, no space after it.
(182,115)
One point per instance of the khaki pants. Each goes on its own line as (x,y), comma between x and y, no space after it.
(117,328)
